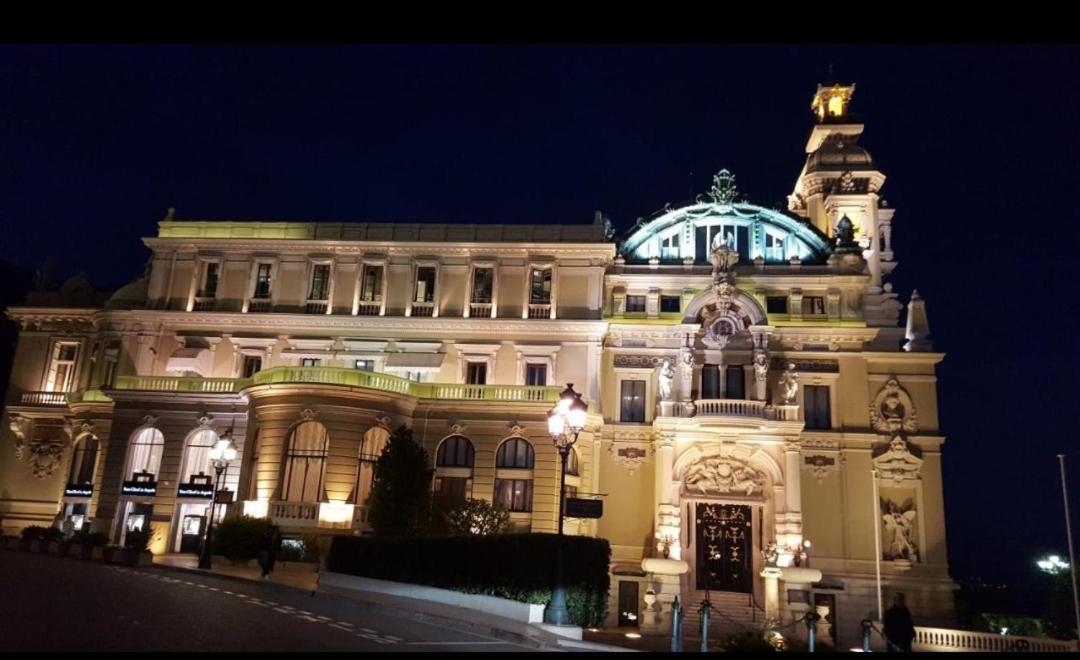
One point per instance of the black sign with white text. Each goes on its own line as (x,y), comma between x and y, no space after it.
(79,490)
(200,491)
(148,488)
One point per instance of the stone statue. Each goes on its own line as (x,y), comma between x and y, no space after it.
(845,237)
(722,475)
(761,365)
(667,376)
(770,553)
(789,385)
(900,525)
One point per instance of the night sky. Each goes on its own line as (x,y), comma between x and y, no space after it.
(979,144)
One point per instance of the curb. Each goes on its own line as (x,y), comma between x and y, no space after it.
(458,624)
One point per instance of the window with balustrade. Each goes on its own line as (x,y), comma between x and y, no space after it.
(735,382)
(514,462)
(424,289)
(483,286)
(454,469)
(208,279)
(371,284)
(83,460)
(252,365)
(262,281)
(632,408)
(320,283)
(476,373)
(145,449)
(305,463)
(536,374)
(540,286)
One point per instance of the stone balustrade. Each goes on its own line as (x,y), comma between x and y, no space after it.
(44,399)
(181,384)
(944,639)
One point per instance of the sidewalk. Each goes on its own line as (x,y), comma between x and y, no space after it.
(301,577)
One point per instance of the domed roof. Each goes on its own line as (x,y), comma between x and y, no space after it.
(130,296)
(839,153)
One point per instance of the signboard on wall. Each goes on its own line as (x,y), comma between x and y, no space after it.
(581,508)
(146,488)
(200,491)
(224,497)
(79,490)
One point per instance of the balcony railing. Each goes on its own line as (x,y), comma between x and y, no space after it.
(486,392)
(943,639)
(539,311)
(316,307)
(736,408)
(295,514)
(260,306)
(204,304)
(181,384)
(44,398)
(423,309)
(480,310)
(88,396)
(368,308)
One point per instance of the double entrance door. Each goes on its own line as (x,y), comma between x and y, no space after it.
(723,536)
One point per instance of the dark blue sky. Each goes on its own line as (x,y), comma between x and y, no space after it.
(979,143)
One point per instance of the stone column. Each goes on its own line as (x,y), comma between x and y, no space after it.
(789,523)
(772,592)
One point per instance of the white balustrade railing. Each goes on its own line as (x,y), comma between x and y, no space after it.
(44,398)
(260,306)
(479,310)
(729,408)
(368,308)
(204,304)
(316,307)
(944,639)
(295,514)
(181,384)
(539,311)
(423,309)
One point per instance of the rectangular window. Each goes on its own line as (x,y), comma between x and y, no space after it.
(371,284)
(476,373)
(262,282)
(813,305)
(816,407)
(425,284)
(710,381)
(776,304)
(669,247)
(514,494)
(701,243)
(670,304)
(540,287)
(309,362)
(209,280)
(483,285)
(453,489)
(536,374)
(320,282)
(365,365)
(252,365)
(635,304)
(110,372)
(633,401)
(742,243)
(735,382)
(62,369)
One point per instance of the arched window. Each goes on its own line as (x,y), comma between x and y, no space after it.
(83,460)
(144,455)
(371,448)
(453,468)
(572,467)
(515,453)
(196,466)
(514,475)
(305,463)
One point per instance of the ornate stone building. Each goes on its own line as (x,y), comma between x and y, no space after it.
(763,427)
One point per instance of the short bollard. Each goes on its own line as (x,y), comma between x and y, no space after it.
(705,607)
(676,626)
(811,629)
(866,626)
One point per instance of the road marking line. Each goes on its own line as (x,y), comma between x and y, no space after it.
(334,625)
(368,630)
(452,643)
(240,595)
(324,618)
(345,623)
(282,610)
(308,618)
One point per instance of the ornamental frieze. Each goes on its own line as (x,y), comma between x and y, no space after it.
(821,465)
(642,361)
(806,366)
(723,475)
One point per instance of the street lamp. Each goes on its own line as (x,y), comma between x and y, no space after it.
(1052,565)
(565,422)
(221,454)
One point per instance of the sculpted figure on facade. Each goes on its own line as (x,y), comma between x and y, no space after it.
(723,475)
(899,523)
(45,458)
(789,385)
(893,410)
(20,428)
(898,463)
(666,378)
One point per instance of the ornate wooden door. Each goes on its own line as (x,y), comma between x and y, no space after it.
(724,540)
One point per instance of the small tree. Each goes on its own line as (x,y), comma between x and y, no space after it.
(475,517)
(401,492)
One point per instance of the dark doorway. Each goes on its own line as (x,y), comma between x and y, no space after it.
(628,603)
(191,533)
(736,382)
(724,538)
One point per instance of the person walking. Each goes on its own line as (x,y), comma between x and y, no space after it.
(268,555)
(899,627)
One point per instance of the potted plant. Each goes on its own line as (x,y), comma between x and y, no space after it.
(136,550)
(38,538)
(87,545)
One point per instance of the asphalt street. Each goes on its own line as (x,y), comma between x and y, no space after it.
(61,604)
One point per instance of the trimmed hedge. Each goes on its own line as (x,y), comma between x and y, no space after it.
(518,567)
(240,538)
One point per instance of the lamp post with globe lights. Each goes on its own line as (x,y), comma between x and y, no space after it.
(565,422)
(221,454)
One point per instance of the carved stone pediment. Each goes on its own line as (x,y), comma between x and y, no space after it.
(718,475)
(892,410)
(898,463)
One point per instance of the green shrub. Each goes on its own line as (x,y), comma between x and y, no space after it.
(39,533)
(240,538)
(518,567)
(470,517)
(139,541)
(88,538)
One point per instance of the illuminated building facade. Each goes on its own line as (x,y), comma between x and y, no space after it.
(763,427)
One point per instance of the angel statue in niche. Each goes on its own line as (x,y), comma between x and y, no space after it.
(667,376)
(899,522)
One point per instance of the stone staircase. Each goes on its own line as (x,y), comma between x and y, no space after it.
(737,613)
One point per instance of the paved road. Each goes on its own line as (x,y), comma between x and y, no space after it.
(59,604)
